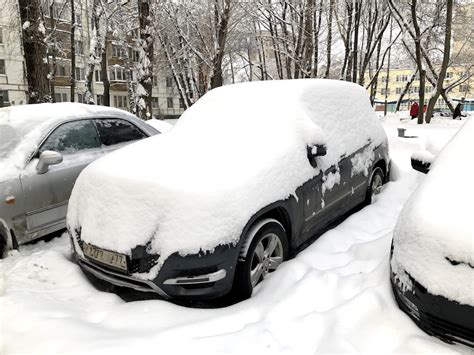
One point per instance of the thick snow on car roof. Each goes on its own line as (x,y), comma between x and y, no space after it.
(239,148)
(21,127)
(434,236)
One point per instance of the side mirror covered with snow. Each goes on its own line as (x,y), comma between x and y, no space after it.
(421,161)
(315,150)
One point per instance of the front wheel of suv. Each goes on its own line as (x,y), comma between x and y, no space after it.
(264,249)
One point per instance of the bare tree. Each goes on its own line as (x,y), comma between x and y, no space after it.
(33,36)
(73,51)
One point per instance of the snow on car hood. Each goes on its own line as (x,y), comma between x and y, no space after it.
(437,224)
(238,149)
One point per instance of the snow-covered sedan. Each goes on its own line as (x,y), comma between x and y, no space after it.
(246,176)
(43,148)
(432,262)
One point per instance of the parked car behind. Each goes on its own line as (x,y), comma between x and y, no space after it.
(432,259)
(248,173)
(43,148)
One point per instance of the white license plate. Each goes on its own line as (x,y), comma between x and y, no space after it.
(107,257)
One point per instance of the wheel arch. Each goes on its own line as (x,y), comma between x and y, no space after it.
(275,212)
(382,165)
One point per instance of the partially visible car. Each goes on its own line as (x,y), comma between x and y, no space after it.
(442,112)
(247,175)
(432,256)
(43,148)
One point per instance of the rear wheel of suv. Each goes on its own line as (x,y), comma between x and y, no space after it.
(375,185)
(265,248)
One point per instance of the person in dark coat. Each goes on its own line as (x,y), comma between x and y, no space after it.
(457,111)
(414,110)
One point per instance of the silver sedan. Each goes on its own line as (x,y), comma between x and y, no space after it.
(43,149)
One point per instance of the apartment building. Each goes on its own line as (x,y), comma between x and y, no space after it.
(399,77)
(121,56)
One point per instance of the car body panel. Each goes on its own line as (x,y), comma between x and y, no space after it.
(41,199)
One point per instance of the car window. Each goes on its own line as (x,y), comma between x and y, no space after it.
(71,137)
(116,131)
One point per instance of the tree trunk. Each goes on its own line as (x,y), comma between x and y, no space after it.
(444,64)
(105,76)
(222,24)
(73,52)
(388,74)
(419,63)
(145,79)
(358,5)
(34,51)
(329,44)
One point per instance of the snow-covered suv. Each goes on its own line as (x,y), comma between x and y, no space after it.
(432,261)
(248,174)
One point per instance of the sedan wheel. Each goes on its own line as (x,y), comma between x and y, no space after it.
(265,248)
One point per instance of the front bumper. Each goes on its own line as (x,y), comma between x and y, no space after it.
(436,315)
(197,276)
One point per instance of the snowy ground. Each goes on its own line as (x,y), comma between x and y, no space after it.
(333,297)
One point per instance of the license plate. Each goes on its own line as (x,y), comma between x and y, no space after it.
(106,257)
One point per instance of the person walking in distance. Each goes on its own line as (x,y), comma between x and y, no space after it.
(414,110)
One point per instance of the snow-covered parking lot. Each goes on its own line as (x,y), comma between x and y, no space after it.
(333,297)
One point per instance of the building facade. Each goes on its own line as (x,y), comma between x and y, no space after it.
(121,62)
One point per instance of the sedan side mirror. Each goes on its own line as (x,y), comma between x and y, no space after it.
(315,150)
(421,161)
(47,158)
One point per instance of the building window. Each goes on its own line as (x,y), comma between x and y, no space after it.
(81,98)
(449,75)
(61,11)
(79,47)
(1,35)
(61,69)
(4,98)
(155,102)
(385,91)
(2,67)
(117,73)
(78,20)
(402,78)
(118,51)
(99,99)
(181,103)
(80,74)
(398,90)
(464,88)
(155,80)
(428,89)
(60,97)
(170,102)
(120,101)
(169,82)
(135,56)
(98,76)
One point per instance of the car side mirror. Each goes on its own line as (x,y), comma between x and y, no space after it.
(315,150)
(47,158)
(421,161)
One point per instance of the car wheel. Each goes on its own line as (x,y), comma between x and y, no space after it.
(375,185)
(266,247)
(3,246)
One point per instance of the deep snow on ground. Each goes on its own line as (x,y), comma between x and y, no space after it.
(334,296)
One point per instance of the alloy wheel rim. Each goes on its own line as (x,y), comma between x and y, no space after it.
(376,184)
(266,258)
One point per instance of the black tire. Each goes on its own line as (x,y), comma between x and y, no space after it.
(375,184)
(3,246)
(243,286)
